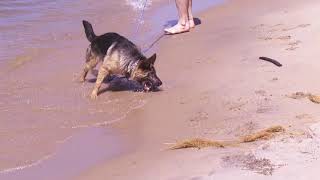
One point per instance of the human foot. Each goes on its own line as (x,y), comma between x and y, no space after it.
(191,23)
(178,28)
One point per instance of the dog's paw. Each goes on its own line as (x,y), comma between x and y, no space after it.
(94,95)
(81,80)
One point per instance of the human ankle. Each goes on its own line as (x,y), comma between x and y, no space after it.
(191,23)
(183,21)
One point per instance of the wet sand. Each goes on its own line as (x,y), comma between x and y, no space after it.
(43,108)
(45,114)
(217,88)
(214,87)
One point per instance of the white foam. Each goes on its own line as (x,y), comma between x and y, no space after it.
(106,123)
(19,168)
(139,5)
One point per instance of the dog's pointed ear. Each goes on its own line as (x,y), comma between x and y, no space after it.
(152,59)
(149,62)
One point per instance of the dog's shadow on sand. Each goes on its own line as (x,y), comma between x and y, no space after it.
(171,23)
(116,83)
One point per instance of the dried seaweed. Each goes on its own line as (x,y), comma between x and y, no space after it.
(299,95)
(197,143)
(263,135)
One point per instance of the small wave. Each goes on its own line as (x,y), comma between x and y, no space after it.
(139,5)
(19,168)
(106,123)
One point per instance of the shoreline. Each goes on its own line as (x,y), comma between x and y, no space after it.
(214,87)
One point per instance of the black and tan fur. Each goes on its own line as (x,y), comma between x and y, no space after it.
(119,56)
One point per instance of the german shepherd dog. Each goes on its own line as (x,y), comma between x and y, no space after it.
(119,56)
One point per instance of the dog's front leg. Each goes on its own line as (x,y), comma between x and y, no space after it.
(92,63)
(103,72)
(84,73)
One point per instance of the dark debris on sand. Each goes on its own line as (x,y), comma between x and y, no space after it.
(251,163)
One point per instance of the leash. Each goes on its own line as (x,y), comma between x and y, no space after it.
(151,45)
(140,19)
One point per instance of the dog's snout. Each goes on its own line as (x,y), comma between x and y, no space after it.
(158,83)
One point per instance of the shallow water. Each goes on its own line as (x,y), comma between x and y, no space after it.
(40,45)
(29,26)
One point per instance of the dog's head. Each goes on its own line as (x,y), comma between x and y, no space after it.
(146,75)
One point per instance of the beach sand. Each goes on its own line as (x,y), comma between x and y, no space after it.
(215,87)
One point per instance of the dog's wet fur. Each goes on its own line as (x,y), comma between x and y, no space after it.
(119,56)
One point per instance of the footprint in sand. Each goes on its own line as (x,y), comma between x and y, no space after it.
(296,27)
(261,92)
(197,120)
(211,173)
(267,28)
(277,25)
(204,60)
(270,35)
(274,79)
(303,116)
(259,26)
(281,38)
(291,48)
(264,103)
(263,109)
(203,99)
(293,45)
(284,38)
(246,128)
(265,38)
(200,116)
(237,105)
(197,178)
(272,30)
(275,28)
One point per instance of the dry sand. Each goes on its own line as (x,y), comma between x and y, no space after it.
(215,87)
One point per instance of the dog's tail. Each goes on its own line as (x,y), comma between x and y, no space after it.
(89,30)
